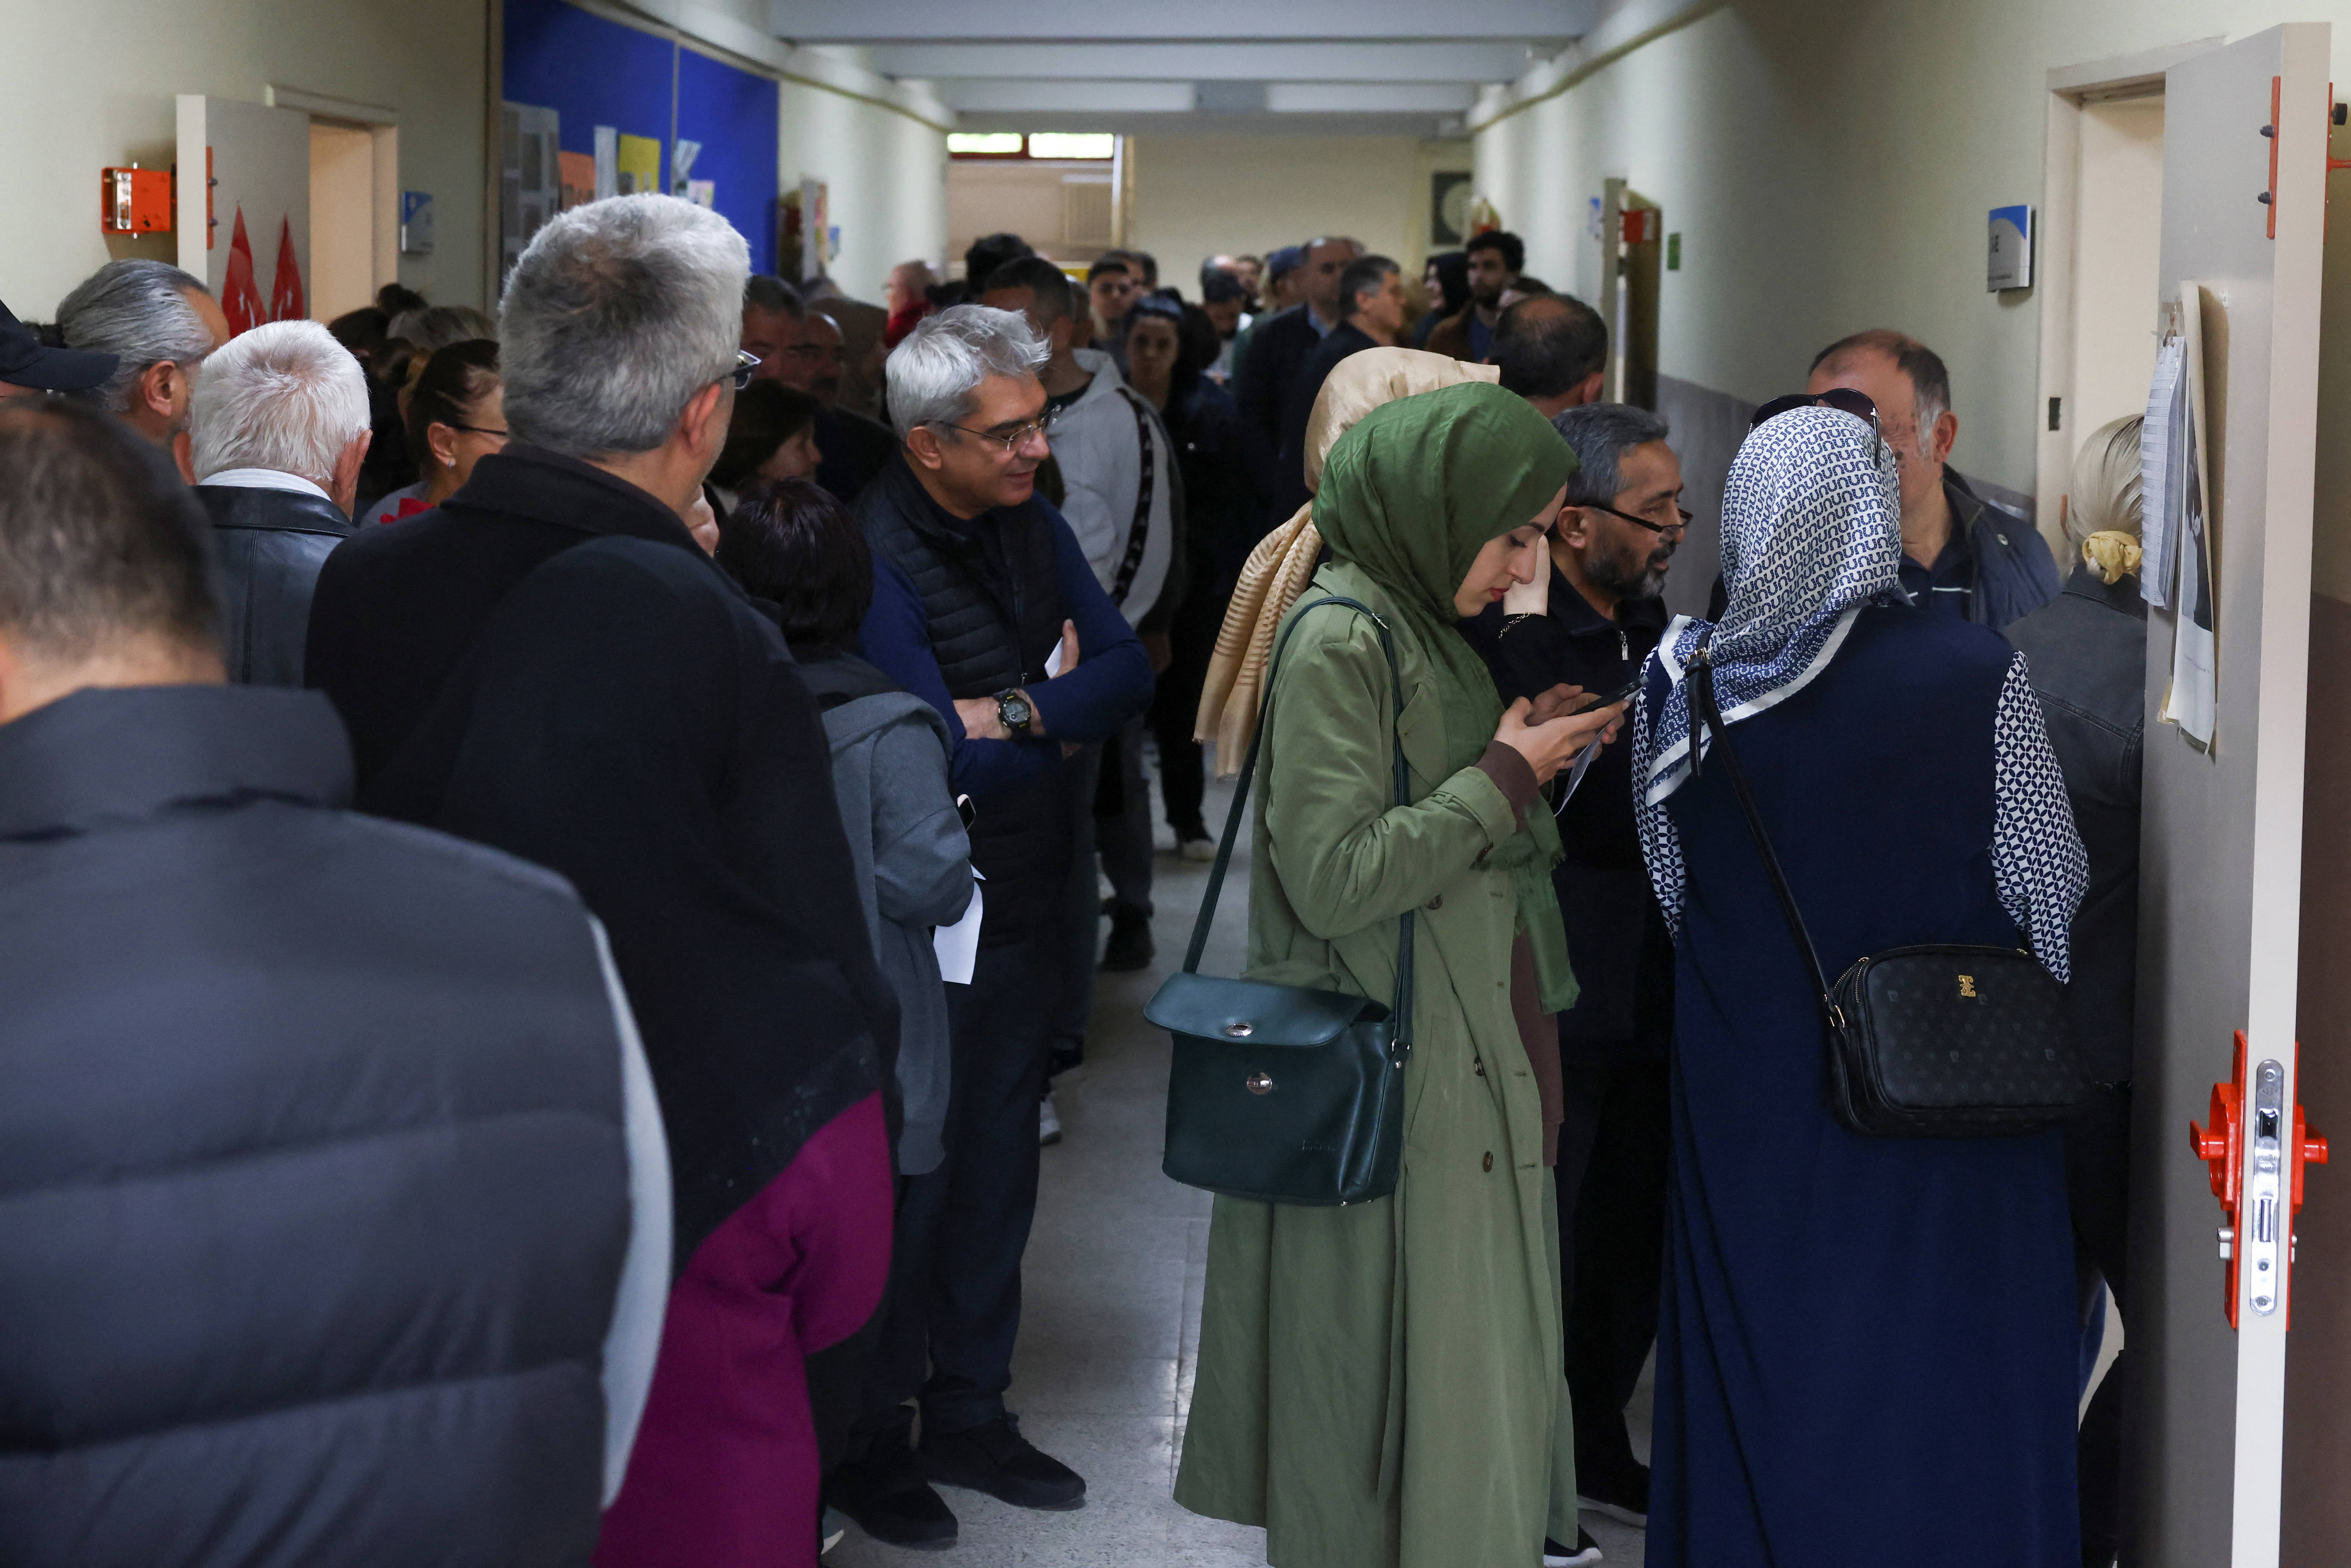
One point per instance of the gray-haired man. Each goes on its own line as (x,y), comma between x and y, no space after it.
(1601,619)
(549,663)
(161,323)
(983,604)
(278,427)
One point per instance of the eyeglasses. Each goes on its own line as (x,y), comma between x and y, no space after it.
(475,429)
(1845,400)
(744,364)
(1013,440)
(1687,515)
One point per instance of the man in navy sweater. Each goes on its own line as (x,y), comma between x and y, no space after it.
(985,606)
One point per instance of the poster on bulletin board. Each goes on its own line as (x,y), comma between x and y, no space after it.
(628,101)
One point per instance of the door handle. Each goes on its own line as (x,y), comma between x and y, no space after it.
(2257,1227)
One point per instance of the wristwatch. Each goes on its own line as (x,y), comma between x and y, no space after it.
(1012,711)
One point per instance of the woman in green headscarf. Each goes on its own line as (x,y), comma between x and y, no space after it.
(1381,1384)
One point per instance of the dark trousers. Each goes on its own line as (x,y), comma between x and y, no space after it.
(1076,941)
(1176,709)
(2097,1184)
(1612,1241)
(955,1274)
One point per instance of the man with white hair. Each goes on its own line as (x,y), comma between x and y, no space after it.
(278,428)
(551,665)
(159,322)
(985,606)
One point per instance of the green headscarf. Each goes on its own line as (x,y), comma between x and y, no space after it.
(1409,496)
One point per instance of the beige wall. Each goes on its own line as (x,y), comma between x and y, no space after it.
(1196,195)
(92,84)
(1828,165)
(886,179)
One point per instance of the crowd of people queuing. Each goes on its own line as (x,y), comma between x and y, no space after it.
(494,816)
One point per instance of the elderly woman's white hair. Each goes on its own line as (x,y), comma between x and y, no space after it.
(616,316)
(935,372)
(2101,508)
(284,396)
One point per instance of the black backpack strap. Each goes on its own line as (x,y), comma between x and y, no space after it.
(1138,532)
(1207,915)
(1705,711)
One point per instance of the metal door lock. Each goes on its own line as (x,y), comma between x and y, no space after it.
(2258,1205)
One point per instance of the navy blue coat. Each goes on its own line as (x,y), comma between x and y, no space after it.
(1866,1348)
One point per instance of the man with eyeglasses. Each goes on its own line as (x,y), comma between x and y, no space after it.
(1962,555)
(1594,627)
(985,606)
(1118,493)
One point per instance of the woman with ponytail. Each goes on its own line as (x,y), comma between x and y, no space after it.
(453,406)
(2087,650)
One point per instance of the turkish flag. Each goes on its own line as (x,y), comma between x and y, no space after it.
(240,294)
(286,298)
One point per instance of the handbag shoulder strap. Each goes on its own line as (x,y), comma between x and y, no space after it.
(1207,915)
(1707,712)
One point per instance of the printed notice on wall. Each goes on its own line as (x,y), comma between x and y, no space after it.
(2192,698)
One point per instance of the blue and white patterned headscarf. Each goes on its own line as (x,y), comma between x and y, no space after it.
(1811,533)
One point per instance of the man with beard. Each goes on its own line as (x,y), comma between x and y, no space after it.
(800,345)
(853,448)
(1595,627)
(1496,259)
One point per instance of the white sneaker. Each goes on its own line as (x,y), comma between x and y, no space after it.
(1049,1124)
(1585,1550)
(1197,849)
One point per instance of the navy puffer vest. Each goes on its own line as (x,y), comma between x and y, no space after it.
(993,600)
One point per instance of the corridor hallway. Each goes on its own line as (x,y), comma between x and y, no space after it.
(1111,1315)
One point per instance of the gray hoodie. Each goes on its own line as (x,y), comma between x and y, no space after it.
(914,869)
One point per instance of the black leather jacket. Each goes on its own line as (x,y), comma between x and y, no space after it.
(2087,653)
(271,545)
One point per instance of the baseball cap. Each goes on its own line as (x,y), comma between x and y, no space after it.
(26,361)
(1284,262)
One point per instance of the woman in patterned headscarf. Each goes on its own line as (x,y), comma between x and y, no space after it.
(1866,1352)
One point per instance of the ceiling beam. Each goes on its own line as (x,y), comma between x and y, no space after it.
(1128,123)
(996,96)
(1243,21)
(1360,62)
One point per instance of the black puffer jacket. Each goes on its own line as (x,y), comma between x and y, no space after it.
(271,545)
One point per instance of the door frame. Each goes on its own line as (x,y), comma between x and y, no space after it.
(381,122)
(2138,75)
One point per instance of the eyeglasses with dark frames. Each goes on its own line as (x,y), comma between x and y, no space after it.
(745,362)
(475,429)
(1013,440)
(1845,400)
(1687,515)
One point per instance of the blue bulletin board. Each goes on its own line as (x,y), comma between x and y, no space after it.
(594,72)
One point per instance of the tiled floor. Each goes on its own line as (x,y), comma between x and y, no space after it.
(1109,1328)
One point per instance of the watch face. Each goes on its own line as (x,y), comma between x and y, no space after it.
(1014,711)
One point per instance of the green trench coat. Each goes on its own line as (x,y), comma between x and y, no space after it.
(1381,1384)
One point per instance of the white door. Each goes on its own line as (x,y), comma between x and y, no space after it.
(246,231)
(2221,864)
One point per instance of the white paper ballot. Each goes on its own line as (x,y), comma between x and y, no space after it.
(1053,662)
(1583,761)
(957,945)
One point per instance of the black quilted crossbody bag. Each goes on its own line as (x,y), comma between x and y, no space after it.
(1933,1041)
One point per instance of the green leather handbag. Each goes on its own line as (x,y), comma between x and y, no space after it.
(1284,1093)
